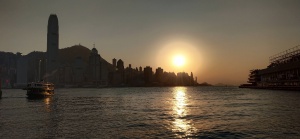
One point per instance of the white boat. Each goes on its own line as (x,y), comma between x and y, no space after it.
(40,89)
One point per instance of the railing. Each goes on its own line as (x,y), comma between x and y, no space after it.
(285,55)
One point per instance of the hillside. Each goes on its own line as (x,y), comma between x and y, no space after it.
(68,55)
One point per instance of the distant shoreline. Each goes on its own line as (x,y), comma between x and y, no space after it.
(129,87)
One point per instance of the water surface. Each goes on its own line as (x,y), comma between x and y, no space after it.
(169,112)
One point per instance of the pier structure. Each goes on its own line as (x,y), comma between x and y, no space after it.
(0,84)
(287,56)
(282,73)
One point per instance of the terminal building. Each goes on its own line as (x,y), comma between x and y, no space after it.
(282,73)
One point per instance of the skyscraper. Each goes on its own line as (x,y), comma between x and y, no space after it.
(52,42)
(148,75)
(95,66)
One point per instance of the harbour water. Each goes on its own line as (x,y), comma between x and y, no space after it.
(168,112)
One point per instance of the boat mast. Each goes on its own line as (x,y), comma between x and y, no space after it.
(39,79)
(46,71)
(0,83)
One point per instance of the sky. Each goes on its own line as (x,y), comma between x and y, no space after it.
(221,40)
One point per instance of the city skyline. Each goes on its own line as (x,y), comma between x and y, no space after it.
(220,45)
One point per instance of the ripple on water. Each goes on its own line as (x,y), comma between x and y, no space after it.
(169,112)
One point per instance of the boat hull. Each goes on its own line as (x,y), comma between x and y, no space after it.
(39,93)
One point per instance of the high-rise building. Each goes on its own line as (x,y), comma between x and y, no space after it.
(192,79)
(95,66)
(148,75)
(159,74)
(120,65)
(52,42)
(114,63)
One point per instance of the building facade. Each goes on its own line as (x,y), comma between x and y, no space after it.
(52,42)
(282,73)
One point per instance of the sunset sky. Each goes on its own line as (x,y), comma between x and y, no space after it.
(220,40)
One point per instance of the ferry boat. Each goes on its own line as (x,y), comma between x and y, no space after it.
(40,89)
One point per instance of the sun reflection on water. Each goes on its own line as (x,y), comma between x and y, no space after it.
(47,102)
(181,125)
(180,103)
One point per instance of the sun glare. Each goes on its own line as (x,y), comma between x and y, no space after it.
(179,55)
(178,61)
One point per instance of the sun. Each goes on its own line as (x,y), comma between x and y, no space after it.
(178,60)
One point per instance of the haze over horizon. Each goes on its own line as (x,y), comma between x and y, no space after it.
(220,40)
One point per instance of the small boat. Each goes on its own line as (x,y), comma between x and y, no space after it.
(40,89)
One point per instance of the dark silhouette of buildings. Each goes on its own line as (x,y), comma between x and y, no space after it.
(8,64)
(183,79)
(95,66)
(117,75)
(114,63)
(0,83)
(52,42)
(159,73)
(148,75)
(83,68)
(282,73)
(78,66)
(120,65)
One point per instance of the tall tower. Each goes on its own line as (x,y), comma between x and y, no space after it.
(52,42)
(114,63)
(192,78)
